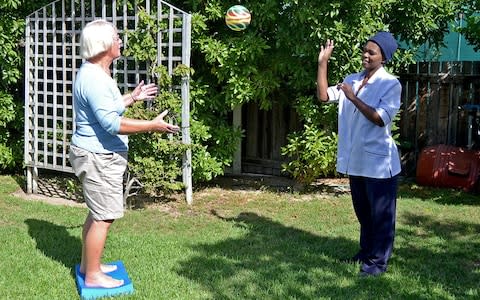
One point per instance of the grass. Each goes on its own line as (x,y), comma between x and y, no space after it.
(234,244)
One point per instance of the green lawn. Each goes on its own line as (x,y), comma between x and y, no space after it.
(255,244)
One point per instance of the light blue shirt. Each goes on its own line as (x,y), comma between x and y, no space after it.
(364,148)
(98,106)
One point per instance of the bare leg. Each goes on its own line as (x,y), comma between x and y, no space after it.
(94,237)
(86,228)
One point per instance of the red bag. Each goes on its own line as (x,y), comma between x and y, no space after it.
(448,166)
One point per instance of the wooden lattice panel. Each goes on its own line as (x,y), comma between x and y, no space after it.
(52,60)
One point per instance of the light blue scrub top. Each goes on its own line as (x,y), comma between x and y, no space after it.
(366,149)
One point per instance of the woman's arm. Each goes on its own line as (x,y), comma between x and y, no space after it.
(130,126)
(322,80)
(369,112)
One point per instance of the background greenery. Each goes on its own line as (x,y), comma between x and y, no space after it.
(247,244)
(274,60)
(12,28)
(472,28)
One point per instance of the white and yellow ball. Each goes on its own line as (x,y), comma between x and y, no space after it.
(238,18)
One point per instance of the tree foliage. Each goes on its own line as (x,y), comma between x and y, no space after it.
(275,58)
(471,30)
(156,159)
(12,25)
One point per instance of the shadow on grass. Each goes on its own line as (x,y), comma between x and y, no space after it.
(20,180)
(445,196)
(55,242)
(55,184)
(274,261)
(440,252)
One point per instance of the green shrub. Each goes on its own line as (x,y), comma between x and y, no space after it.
(156,159)
(312,153)
(12,28)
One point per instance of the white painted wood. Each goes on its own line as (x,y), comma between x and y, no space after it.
(52,60)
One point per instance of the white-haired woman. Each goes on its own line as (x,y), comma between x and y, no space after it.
(98,151)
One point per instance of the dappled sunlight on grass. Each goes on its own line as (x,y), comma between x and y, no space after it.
(440,195)
(251,244)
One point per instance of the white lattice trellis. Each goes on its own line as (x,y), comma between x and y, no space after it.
(52,59)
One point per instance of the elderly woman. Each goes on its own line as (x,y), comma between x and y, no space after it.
(98,151)
(368,103)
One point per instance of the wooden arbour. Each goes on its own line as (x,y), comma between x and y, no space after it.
(52,60)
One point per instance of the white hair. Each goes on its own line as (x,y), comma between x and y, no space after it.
(97,37)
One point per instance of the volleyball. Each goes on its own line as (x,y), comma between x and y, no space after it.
(238,17)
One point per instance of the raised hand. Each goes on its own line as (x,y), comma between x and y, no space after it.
(326,51)
(322,80)
(144,91)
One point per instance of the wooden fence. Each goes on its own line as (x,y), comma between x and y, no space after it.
(265,134)
(437,97)
(434,98)
(52,58)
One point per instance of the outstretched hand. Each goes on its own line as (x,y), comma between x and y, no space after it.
(144,91)
(326,51)
(161,125)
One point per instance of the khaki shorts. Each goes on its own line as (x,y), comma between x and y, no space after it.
(101,176)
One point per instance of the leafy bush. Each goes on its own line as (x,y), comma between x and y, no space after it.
(471,30)
(10,63)
(313,153)
(7,117)
(155,160)
(12,25)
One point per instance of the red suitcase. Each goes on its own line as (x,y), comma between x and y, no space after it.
(448,166)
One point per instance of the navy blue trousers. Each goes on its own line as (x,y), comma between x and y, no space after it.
(374,201)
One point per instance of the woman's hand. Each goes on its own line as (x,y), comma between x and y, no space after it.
(326,51)
(161,125)
(144,91)
(347,90)
(322,80)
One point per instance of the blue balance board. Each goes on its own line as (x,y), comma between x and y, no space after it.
(88,293)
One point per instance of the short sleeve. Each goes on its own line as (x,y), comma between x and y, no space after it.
(333,94)
(390,103)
